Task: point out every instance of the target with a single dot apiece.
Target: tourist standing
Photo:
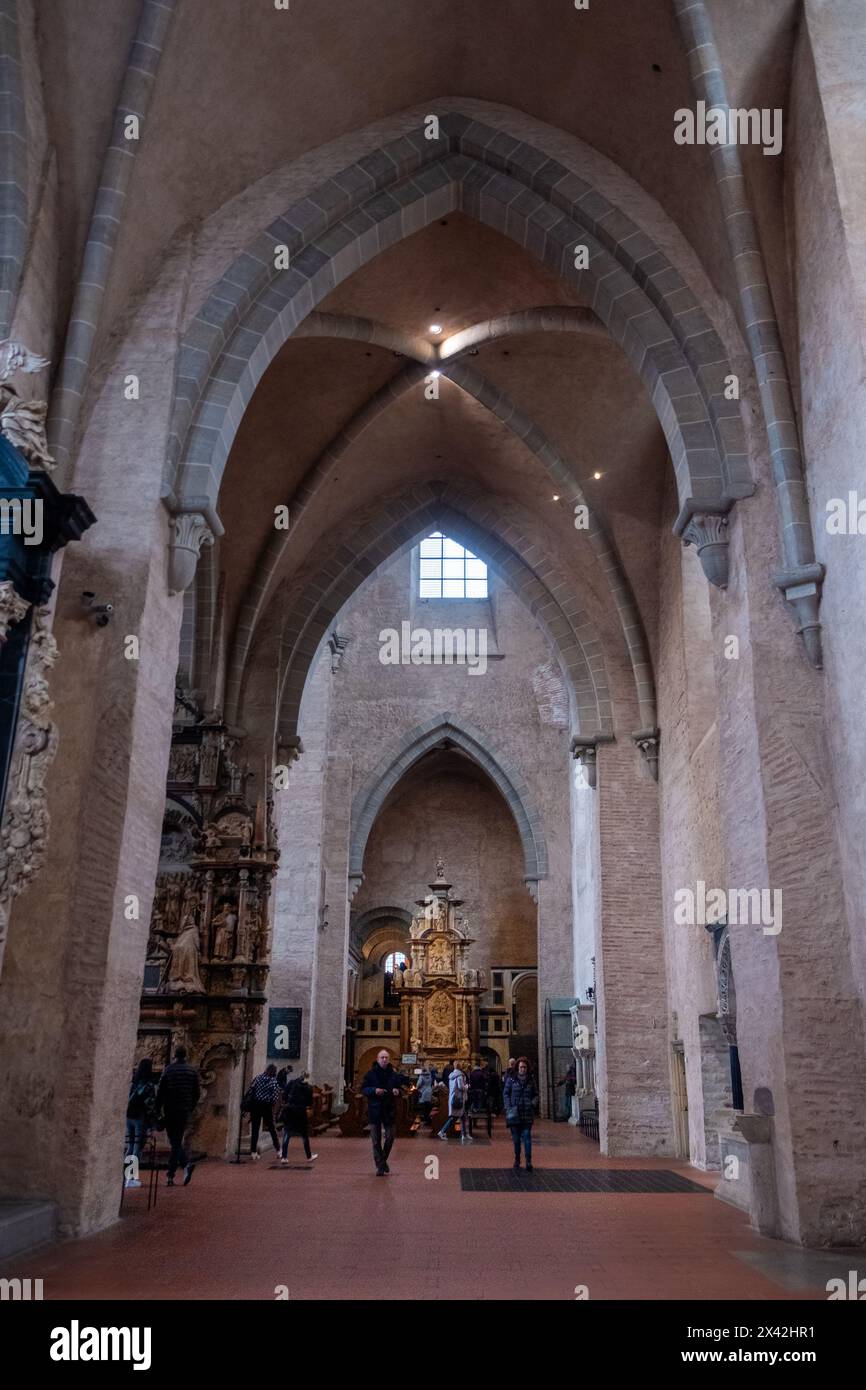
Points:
(260, 1099)
(479, 1087)
(569, 1081)
(520, 1098)
(382, 1085)
(425, 1083)
(297, 1097)
(176, 1097)
(458, 1108)
(140, 1114)
(494, 1090)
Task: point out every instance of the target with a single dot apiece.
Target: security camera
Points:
(100, 612)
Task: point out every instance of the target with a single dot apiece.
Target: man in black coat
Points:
(176, 1098)
(382, 1085)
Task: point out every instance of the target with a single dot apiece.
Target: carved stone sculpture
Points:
(23, 422)
(24, 831)
(183, 968)
(224, 924)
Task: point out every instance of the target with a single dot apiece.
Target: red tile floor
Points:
(335, 1231)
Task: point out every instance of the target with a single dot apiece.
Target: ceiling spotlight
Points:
(435, 373)
(596, 476)
(435, 328)
(556, 497)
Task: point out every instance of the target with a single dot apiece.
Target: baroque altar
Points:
(440, 992)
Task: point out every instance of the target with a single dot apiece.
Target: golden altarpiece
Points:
(439, 994)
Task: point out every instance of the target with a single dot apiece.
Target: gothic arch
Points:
(492, 399)
(573, 637)
(370, 798)
(507, 184)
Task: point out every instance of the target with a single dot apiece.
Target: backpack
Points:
(139, 1101)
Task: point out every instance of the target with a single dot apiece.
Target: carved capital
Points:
(647, 740)
(585, 749)
(189, 532)
(12, 607)
(708, 533)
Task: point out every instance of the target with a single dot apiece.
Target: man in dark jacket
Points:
(520, 1098)
(176, 1098)
(382, 1085)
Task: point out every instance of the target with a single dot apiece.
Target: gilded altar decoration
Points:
(440, 992)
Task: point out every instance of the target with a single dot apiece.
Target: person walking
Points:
(458, 1106)
(520, 1098)
(382, 1085)
(176, 1097)
(261, 1097)
(297, 1096)
(140, 1115)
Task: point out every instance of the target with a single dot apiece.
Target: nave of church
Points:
(431, 563)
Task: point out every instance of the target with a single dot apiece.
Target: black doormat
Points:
(577, 1180)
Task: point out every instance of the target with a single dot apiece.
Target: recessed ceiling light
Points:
(435, 328)
(436, 373)
(556, 497)
(596, 476)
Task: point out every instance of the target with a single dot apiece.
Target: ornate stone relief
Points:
(12, 608)
(24, 831)
(23, 422)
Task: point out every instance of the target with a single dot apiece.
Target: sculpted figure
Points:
(183, 966)
(224, 924)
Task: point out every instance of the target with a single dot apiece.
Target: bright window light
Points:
(449, 570)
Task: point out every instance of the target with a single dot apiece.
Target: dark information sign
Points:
(284, 1032)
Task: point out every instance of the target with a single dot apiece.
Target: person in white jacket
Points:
(458, 1106)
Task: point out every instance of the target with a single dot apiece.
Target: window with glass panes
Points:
(449, 570)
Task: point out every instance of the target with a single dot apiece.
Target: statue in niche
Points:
(172, 905)
(224, 924)
(440, 869)
(247, 934)
(183, 976)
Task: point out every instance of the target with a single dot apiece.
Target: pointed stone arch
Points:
(510, 185)
(400, 525)
(444, 728)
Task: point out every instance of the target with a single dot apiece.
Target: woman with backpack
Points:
(457, 1106)
(297, 1096)
(140, 1113)
(520, 1098)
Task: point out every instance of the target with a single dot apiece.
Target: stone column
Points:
(328, 992)
(799, 1016)
(633, 1067)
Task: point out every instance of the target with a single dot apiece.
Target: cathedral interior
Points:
(433, 557)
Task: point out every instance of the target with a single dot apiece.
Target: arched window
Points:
(449, 570)
(394, 961)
